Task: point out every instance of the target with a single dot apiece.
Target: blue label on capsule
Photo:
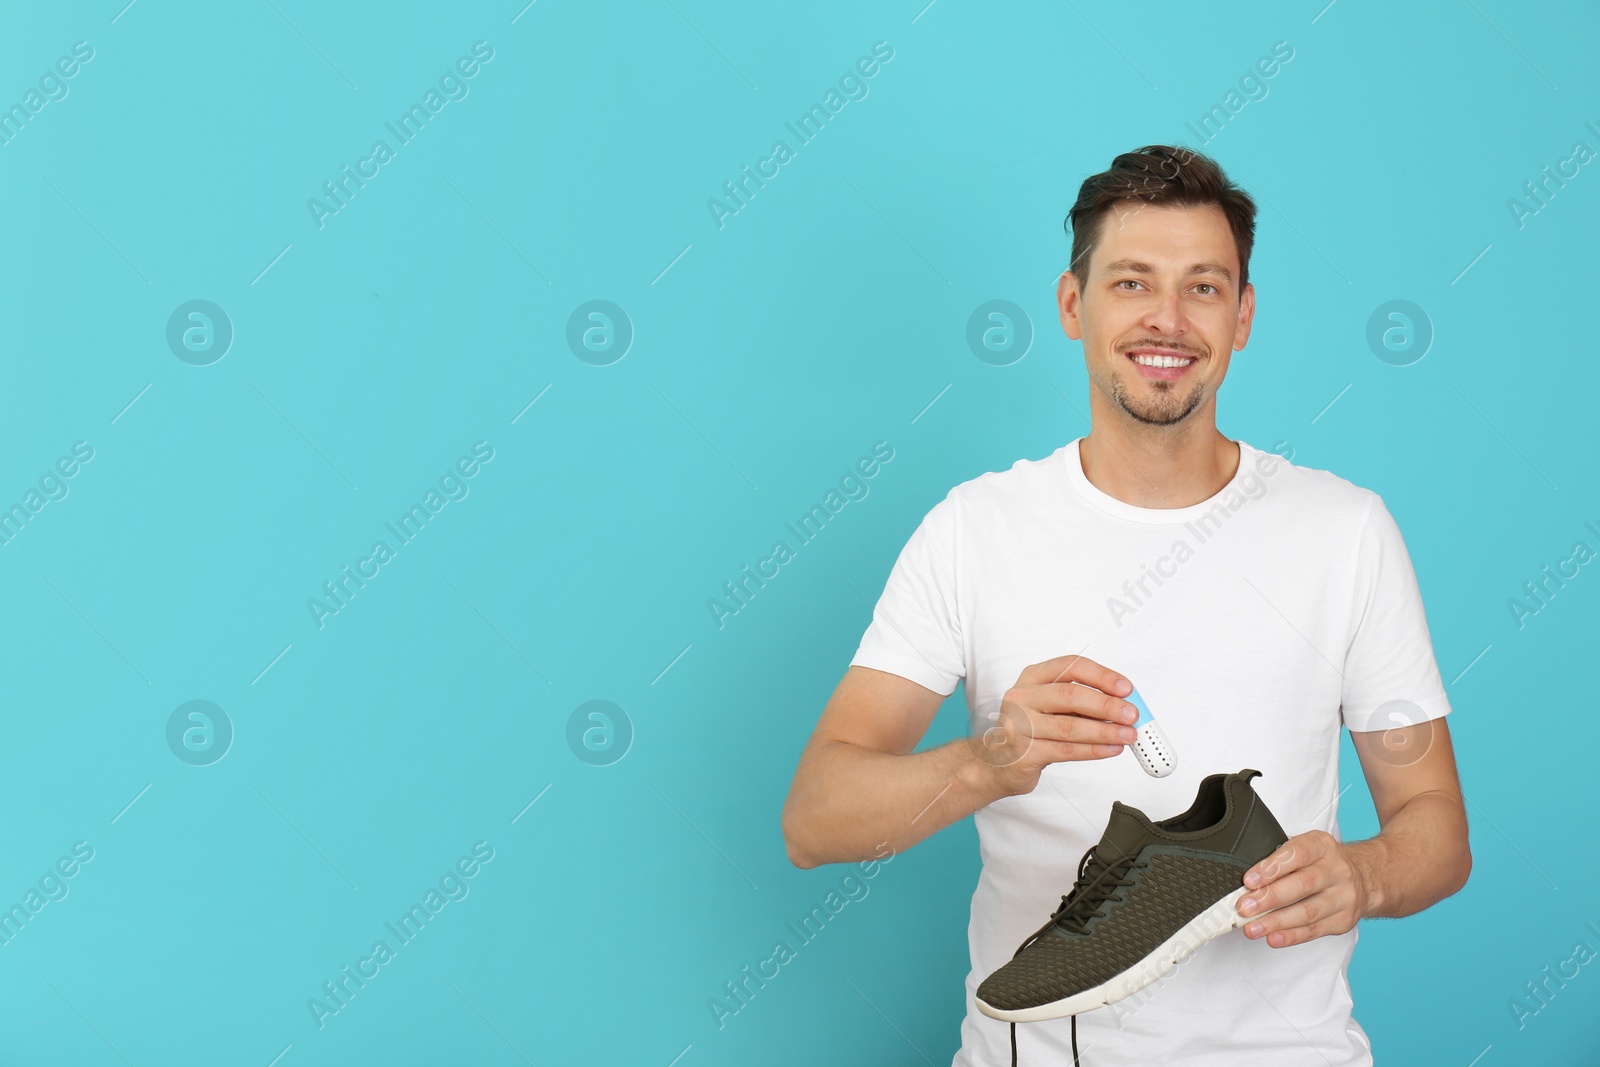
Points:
(1144, 712)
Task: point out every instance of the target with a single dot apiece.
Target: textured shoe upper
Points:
(1170, 890)
(1141, 884)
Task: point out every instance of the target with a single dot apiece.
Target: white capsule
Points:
(1151, 748)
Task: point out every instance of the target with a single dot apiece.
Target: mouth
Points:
(1161, 363)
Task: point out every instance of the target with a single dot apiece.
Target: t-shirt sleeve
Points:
(1390, 676)
(916, 626)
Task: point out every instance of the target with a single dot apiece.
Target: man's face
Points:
(1163, 280)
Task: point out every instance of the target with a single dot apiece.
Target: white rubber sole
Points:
(1201, 930)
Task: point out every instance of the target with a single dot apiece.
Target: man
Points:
(1257, 605)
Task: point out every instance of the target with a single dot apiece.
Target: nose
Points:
(1165, 316)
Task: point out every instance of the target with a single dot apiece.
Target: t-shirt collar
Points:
(1072, 463)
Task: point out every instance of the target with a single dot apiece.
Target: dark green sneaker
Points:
(1147, 896)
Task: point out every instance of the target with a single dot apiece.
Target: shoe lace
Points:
(1094, 888)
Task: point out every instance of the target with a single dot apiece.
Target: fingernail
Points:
(1248, 906)
(1127, 733)
(1252, 879)
(1254, 929)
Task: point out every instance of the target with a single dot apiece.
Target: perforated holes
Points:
(1150, 751)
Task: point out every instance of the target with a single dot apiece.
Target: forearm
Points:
(1418, 859)
(849, 801)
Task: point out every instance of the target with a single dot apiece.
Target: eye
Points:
(1207, 285)
(1127, 281)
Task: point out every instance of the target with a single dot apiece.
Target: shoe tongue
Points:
(1126, 833)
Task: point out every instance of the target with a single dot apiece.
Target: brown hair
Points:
(1159, 174)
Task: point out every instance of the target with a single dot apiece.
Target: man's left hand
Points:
(1311, 886)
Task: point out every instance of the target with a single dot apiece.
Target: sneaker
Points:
(1147, 896)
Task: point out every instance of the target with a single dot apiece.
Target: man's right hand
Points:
(1067, 708)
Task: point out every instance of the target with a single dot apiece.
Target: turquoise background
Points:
(828, 314)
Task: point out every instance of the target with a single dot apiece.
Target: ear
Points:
(1070, 304)
(1247, 316)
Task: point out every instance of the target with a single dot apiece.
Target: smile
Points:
(1149, 360)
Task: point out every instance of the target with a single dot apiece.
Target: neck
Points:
(1158, 467)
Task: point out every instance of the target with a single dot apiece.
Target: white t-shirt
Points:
(1253, 624)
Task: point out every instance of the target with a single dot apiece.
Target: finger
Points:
(1066, 751)
(1076, 669)
(1302, 912)
(1292, 887)
(1296, 935)
(1091, 731)
(1072, 698)
(1290, 856)
(1020, 734)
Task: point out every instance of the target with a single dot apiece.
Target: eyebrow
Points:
(1133, 266)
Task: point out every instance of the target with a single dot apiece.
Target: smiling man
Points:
(1259, 607)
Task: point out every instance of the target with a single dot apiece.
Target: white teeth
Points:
(1163, 361)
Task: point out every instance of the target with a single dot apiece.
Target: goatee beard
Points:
(1159, 413)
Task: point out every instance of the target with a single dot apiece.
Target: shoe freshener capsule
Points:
(1152, 748)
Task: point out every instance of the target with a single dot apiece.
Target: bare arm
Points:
(1319, 885)
(860, 785)
(1421, 854)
